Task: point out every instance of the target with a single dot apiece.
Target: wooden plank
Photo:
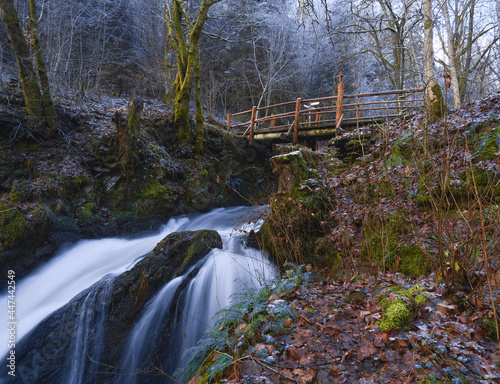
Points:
(327, 98)
(398, 92)
(252, 122)
(241, 113)
(277, 116)
(386, 102)
(240, 124)
(296, 121)
(340, 100)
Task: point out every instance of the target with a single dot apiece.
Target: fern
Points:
(219, 366)
(488, 144)
(252, 310)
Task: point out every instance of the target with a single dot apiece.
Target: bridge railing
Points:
(327, 112)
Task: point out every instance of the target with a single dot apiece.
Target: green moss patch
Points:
(400, 305)
(397, 316)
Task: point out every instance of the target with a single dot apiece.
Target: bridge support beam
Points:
(340, 100)
(296, 121)
(252, 123)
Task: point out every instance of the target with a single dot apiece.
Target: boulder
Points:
(89, 334)
(171, 257)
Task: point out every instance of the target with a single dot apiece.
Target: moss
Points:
(192, 250)
(489, 325)
(488, 183)
(437, 107)
(85, 214)
(382, 239)
(397, 316)
(25, 191)
(153, 189)
(413, 261)
(80, 181)
(293, 227)
(291, 170)
(415, 294)
(15, 226)
(12, 224)
(385, 189)
(488, 144)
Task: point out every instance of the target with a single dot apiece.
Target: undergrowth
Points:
(258, 313)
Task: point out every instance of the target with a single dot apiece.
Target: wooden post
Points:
(228, 121)
(252, 122)
(296, 121)
(272, 124)
(340, 100)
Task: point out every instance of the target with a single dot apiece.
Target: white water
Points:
(77, 268)
(221, 275)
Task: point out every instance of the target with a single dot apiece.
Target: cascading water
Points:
(90, 327)
(186, 304)
(222, 273)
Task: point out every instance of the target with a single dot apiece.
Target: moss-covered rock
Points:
(397, 316)
(400, 304)
(290, 170)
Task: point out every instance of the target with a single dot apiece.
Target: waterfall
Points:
(220, 275)
(186, 304)
(85, 350)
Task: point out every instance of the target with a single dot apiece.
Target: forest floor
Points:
(336, 339)
(410, 216)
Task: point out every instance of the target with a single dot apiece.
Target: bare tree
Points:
(467, 42)
(450, 52)
(434, 93)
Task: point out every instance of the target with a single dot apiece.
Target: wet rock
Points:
(108, 310)
(170, 258)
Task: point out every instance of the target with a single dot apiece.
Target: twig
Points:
(271, 369)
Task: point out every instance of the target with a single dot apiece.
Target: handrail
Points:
(305, 115)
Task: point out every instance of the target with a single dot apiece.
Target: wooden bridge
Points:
(310, 120)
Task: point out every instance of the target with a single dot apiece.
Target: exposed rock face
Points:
(98, 321)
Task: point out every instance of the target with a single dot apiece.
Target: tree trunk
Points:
(41, 68)
(187, 53)
(451, 57)
(43, 124)
(43, 120)
(498, 15)
(464, 81)
(199, 109)
(434, 93)
(127, 129)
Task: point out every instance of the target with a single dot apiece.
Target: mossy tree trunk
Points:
(185, 45)
(199, 111)
(48, 105)
(38, 101)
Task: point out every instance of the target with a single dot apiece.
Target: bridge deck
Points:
(320, 118)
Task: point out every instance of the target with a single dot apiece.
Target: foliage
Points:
(253, 316)
(488, 144)
(488, 324)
